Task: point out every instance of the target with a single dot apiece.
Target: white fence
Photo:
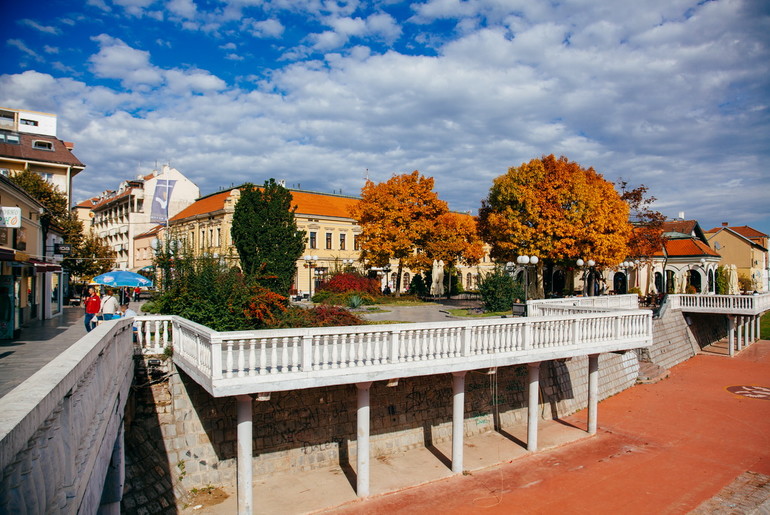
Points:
(538, 307)
(724, 304)
(231, 363)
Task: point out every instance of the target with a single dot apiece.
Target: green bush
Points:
(499, 290)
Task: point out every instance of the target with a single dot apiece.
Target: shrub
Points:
(499, 290)
(348, 281)
(418, 287)
(319, 316)
(635, 290)
(745, 283)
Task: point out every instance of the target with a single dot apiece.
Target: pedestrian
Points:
(110, 306)
(136, 293)
(93, 305)
(127, 312)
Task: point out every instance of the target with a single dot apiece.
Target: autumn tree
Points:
(90, 255)
(397, 219)
(455, 240)
(556, 210)
(265, 234)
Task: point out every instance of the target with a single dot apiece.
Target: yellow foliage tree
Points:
(397, 219)
(557, 210)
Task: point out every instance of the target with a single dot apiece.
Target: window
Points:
(342, 242)
(32, 123)
(356, 243)
(6, 137)
(218, 243)
(312, 243)
(42, 145)
(328, 240)
(203, 238)
(47, 177)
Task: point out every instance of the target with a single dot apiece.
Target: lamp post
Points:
(587, 275)
(525, 262)
(348, 263)
(310, 264)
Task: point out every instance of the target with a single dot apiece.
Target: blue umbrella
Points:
(122, 278)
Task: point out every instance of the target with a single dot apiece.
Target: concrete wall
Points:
(194, 434)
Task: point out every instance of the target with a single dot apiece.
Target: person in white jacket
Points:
(110, 305)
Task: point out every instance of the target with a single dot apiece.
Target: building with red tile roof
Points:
(28, 141)
(747, 249)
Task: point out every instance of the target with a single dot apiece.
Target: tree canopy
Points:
(455, 240)
(647, 236)
(555, 209)
(265, 233)
(90, 255)
(397, 219)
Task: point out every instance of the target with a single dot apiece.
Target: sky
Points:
(322, 94)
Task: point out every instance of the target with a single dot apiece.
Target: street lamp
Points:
(348, 263)
(526, 262)
(310, 264)
(586, 275)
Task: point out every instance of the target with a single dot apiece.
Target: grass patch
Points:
(764, 327)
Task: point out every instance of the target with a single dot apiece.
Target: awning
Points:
(42, 266)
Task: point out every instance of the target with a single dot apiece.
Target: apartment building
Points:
(136, 207)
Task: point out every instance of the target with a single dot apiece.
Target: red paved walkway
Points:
(662, 448)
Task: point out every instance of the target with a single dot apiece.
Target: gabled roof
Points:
(751, 236)
(686, 247)
(155, 230)
(26, 152)
(308, 203)
(111, 198)
(743, 230)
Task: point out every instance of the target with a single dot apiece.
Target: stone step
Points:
(651, 373)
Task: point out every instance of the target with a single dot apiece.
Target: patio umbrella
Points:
(440, 278)
(734, 288)
(122, 278)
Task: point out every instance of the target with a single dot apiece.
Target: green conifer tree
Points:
(265, 234)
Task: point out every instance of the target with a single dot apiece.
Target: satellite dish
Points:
(154, 243)
(717, 245)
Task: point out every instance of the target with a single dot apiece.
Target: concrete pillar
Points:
(759, 326)
(750, 329)
(458, 417)
(533, 405)
(593, 392)
(731, 334)
(245, 425)
(739, 323)
(362, 471)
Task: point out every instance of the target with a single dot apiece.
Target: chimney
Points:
(725, 224)
(681, 215)
(69, 145)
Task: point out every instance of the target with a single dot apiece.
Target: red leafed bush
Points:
(345, 282)
(319, 316)
(264, 308)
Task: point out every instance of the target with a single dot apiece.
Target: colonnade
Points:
(743, 330)
(245, 427)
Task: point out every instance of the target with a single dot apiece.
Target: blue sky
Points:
(672, 94)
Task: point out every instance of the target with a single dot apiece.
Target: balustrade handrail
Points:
(242, 357)
(726, 304)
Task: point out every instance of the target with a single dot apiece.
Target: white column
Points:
(750, 329)
(244, 454)
(739, 323)
(362, 471)
(759, 326)
(533, 405)
(458, 417)
(593, 392)
(731, 334)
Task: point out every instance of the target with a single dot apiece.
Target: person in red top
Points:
(93, 305)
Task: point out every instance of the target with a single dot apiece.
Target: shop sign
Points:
(10, 217)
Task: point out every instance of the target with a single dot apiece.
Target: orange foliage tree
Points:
(397, 219)
(455, 241)
(556, 210)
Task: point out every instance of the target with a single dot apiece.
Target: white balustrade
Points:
(251, 358)
(721, 304)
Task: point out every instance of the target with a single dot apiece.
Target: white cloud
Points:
(666, 93)
(184, 8)
(270, 28)
(22, 47)
(48, 29)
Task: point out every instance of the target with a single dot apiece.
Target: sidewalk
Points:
(666, 447)
(40, 342)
